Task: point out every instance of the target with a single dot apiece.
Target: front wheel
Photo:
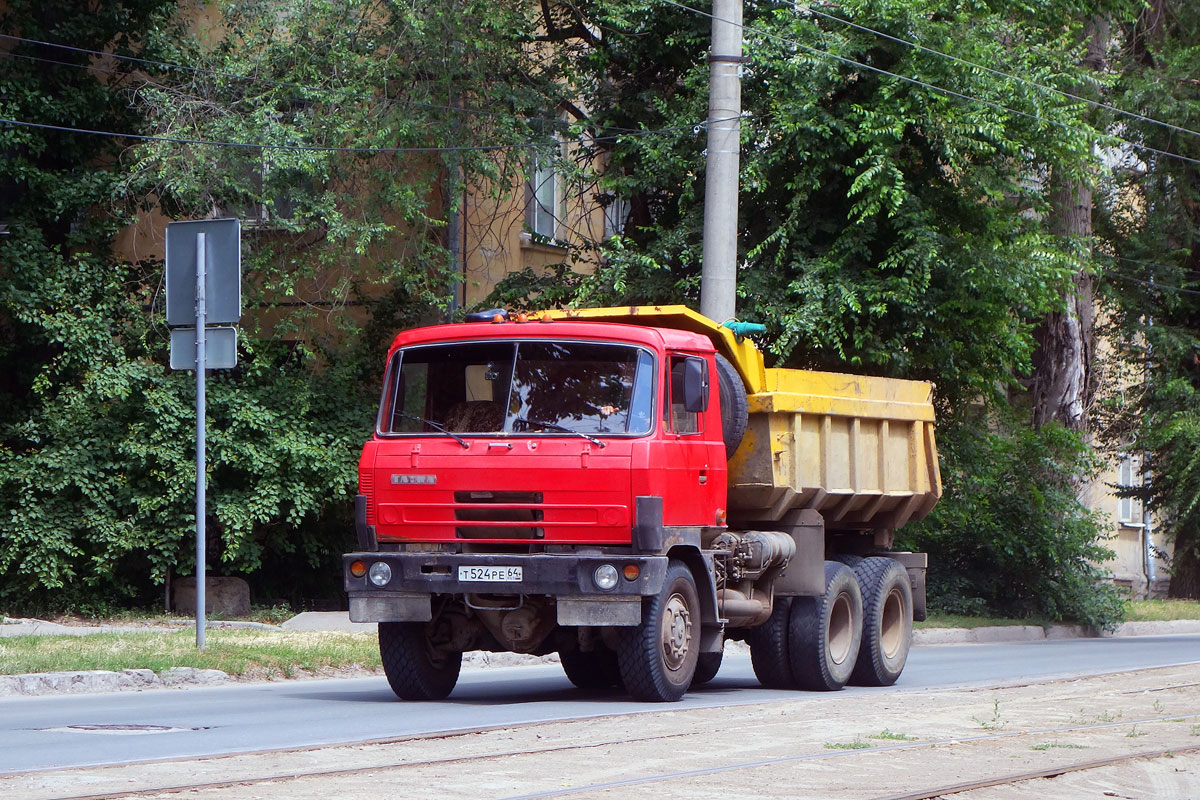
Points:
(707, 667)
(416, 669)
(592, 671)
(658, 657)
(825, 632)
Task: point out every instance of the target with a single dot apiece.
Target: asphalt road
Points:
(50, 732)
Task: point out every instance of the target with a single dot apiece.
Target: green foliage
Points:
(344, 245)
(885, 227)
(1009, 536)
(1152, 288)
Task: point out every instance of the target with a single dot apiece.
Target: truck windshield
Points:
(534, 388)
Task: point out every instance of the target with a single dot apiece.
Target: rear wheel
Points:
(769, 648)
(594, 671)
(416, 668)
(825, 632)
(887, 622)
(658, 657)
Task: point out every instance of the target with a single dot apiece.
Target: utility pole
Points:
(718, 276)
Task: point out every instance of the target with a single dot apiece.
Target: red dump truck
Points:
(629, 488)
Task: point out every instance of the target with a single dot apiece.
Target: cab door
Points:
(695, 482)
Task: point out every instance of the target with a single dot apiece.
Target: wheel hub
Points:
(676, 632)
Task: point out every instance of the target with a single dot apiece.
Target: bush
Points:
(1010, 537)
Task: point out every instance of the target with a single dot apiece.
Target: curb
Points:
(37, 627)
(1036, 633)
(99, 680)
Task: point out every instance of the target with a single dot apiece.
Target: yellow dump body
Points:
(858, 449)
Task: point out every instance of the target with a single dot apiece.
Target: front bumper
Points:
(416, 577)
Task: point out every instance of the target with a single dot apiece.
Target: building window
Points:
(545, 199)
(1129, 509)
(616, 215)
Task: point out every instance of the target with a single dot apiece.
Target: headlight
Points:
(605, 576)
(380, 573)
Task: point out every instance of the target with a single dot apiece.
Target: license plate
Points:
(490, 574)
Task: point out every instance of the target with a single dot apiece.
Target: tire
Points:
(769, 648)
(414, 669)
(734, 408)
(658, 657)
(825, 633)
(707, 667)
(594, 671)
(887, 622)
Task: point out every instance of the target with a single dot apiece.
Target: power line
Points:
(256, 79)
(616, 129)
(1019, 79)
(1154, 285)
(259, 146)
(933, 87)
(1153, 265)
(330, 148)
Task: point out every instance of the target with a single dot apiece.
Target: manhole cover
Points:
(120, 730)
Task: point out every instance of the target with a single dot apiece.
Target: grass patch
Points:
(857, 744)
(996, 722)
(1161, 610)
(892, 736)
(236, 652)
(1056, 746)
(1135, 611)
(939, 620)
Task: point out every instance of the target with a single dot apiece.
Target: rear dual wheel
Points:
(887, 621)
(825, 633)
(769, 653)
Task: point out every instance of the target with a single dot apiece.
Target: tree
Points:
(1062, 383)
(1151, 224)
(320, 121)
(889, 227)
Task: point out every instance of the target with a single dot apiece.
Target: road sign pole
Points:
(201, 314)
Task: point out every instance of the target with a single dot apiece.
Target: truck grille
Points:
(500, 515)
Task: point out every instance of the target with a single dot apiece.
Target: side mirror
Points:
(695, 385)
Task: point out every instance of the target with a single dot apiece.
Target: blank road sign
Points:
(220, 348)
(223, 271)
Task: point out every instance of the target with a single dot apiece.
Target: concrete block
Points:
(1158, 628)
(176, 676)
(1070, 632)
(221, 596)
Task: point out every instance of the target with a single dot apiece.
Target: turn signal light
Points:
(722, 517)
(631, 572)
(358, 569)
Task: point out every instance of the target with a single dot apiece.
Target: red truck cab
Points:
(526, 479)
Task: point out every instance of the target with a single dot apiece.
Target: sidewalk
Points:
(340, 621)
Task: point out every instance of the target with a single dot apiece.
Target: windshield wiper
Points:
(556, 427)
(435, 426)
